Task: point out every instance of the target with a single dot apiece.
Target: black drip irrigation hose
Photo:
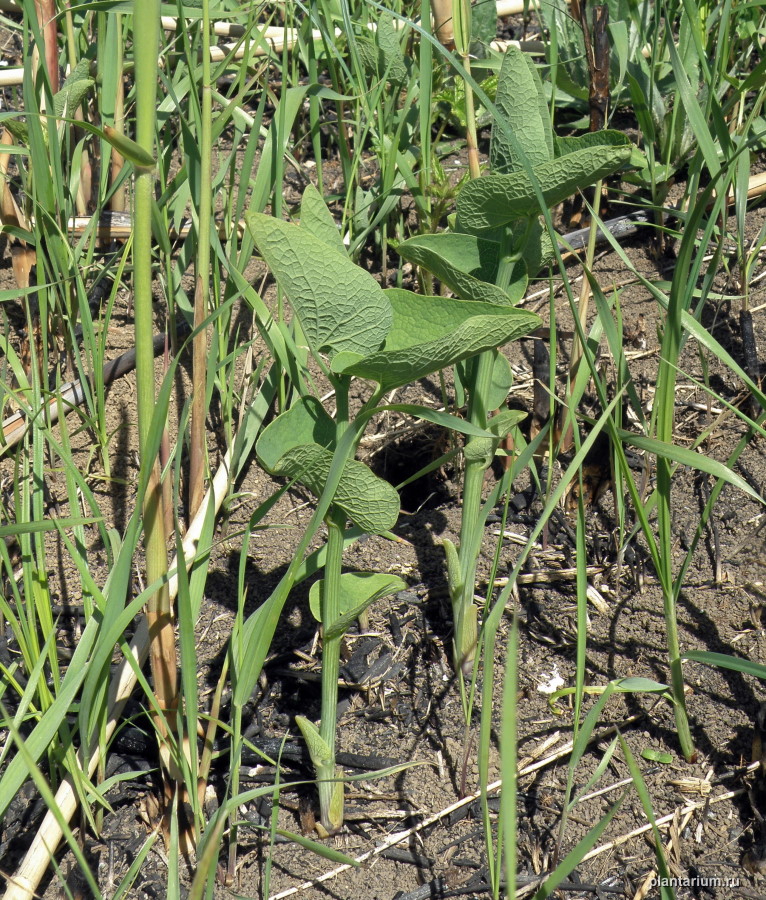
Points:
(619, 228)
(73, 393)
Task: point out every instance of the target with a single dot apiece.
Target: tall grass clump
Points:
(68, 713)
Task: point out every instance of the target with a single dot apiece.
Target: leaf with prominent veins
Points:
(340, 307)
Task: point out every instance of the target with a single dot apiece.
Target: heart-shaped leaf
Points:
(306, 422)
(357, 591)
(496, 200)
(339, 306)
(367, 500)
(466, 264)
(74, 89)
(431, 333)
(521, 102)
(607, 138)
(537, 251)
(392, 63)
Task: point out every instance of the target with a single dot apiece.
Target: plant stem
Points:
(117, 201)
(472, 523)
(464, 610)
(508, 821)
(471, 139)
(330, 789)
(158, 612)
(665, 400)
(331, 817)
(46, 17)
(202, 289)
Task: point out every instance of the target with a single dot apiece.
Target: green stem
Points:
(669, 594)
(330, 788)
(236, 758)
(331, 811)
(147, 12)
(315, 109)
(472, 521)
(202, 291)
(666, 382)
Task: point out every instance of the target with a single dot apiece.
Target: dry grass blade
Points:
(664, 822)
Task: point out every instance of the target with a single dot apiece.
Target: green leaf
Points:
(317, 220)
(431, 333)
(339, 306)
(638, 683)
(575, 856)
(657, 756)
(483, 449)
(700, 126)
(320, 753)
(666, 892)
(306, 422)
(466, 264)
(521, 101)
(322, 758)
(319, 849)
(607, 138)
(392, 62)
(74, 89)
(44, 525)
(454, 571)
(368, 54)
(357, 591)
(19, 130)
(502, 381)
(382, 54)
(445, 420)
(538, 253)
(370, 502)
(483, 32)
(735, 663)
(126, 147)
(496, 200)
(288, 106)
(690, 458)
(461, 26)
(537, 250)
